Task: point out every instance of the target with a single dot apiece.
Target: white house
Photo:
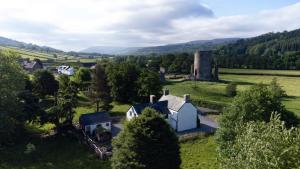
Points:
(90, 122)
(179, 112)
(67, 70)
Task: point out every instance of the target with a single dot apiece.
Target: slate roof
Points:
(174, 102)
(94, 118)
(29, 65)
(161, 106)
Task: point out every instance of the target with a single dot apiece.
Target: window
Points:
(107, 124)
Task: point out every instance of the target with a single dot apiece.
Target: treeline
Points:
(179, 63)
(269, 51)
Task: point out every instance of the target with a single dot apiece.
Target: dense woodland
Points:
(269, 51)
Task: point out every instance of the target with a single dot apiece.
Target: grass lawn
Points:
(199, 153)
(55, 152)
(259, 71)
(215, 92)
(290, 84)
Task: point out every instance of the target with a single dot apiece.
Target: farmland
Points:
(214, 93)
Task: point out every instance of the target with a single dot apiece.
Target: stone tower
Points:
(203, 65)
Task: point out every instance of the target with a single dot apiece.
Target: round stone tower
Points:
(203, 65)
(197, 65)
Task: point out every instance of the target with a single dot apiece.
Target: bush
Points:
(264, 145)
(231, 89)
(147, 142)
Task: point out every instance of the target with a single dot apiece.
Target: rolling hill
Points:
(28, 46)
(171, 48)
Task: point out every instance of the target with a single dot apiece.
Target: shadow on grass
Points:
(236, 82)
(52, 152)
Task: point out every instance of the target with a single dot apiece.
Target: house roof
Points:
(29, 65)
(161, 106)
(94, 118)
(174, 102)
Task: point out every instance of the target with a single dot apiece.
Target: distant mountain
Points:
(171, 48)
(13, 43)
(186, 47)
(110, 50)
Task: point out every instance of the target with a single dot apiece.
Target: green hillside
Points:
(269, 51)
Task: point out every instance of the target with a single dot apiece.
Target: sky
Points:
(78, 24)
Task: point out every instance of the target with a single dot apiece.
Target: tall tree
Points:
(62, 112)
(44, 83)
(12, 82)
(83, 77)
(147, 142)
(100, 90)
(149, 84)
(123, 81)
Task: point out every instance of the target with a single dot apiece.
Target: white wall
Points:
(94, 126)
(131, 114)
(187, 117)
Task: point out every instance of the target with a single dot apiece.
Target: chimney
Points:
(166, 92)
(152, 99)
(186, 98)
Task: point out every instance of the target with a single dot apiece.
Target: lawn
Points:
(214, 92)
(54, 152)
(290, 84)
(261, 72)
(199, 153)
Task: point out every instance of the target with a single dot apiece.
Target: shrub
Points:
(231, 89)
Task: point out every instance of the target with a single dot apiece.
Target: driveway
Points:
(116, 128)
(207, 124)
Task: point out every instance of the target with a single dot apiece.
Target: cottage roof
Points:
(94, 118)
(174, 102)
(161, 106)
(29, 65)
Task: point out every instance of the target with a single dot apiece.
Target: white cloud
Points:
(77, 24)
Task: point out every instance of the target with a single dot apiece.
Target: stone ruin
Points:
(203, 66)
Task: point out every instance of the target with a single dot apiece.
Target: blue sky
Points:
(78, 24)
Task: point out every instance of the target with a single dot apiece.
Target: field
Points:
(260, 72)
(214, 93)
(48, 58)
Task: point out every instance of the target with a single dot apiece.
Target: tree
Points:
(264, 145)
(44, 83)
(12, 82)
(149, 83)
(231, 89)
(276, 89)
(31, 109)
(83, 77)
(255, 104)
(147, 142)
(65, 101)
(100, 90)
(123, 81)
